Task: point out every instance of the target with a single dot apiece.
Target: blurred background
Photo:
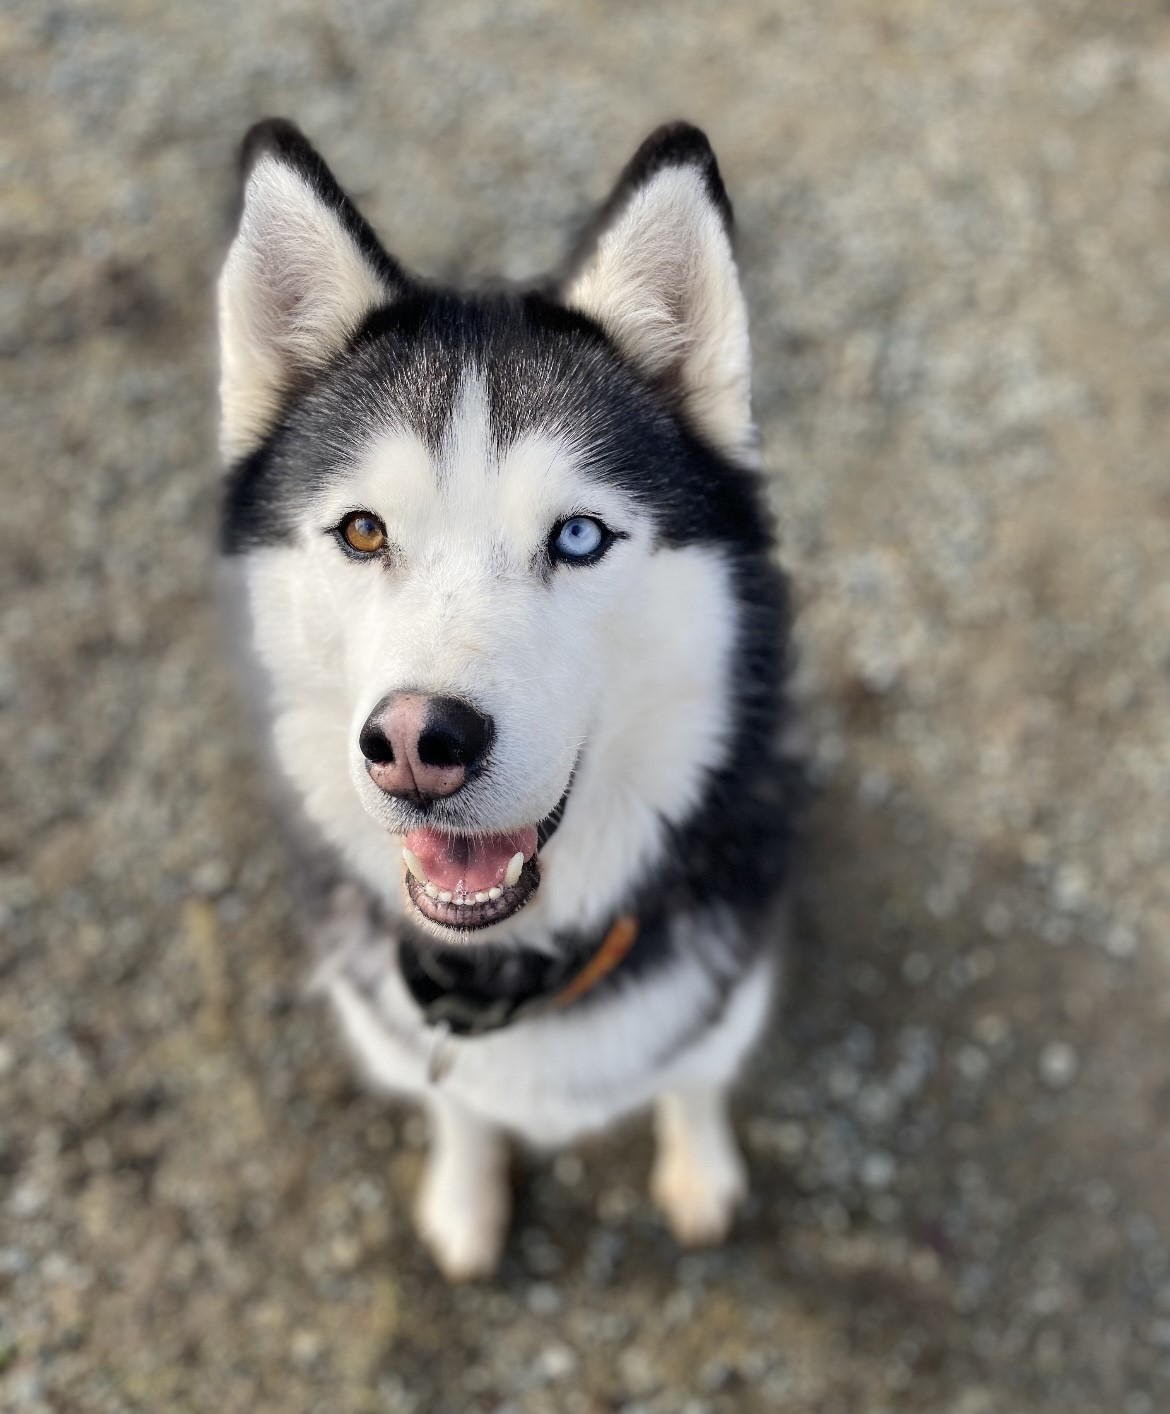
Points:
(954, 228)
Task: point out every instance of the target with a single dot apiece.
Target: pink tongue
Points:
(469, 864)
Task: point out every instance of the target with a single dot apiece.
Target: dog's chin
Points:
(457, 916)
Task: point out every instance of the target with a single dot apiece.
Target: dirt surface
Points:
(955, 227)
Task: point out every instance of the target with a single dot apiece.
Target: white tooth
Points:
(431, 891)
(494, 894)
(445, 896)
(481, 897)
(515, 864)
(414, 864)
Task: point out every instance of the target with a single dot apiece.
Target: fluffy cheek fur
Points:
(661, 725)
(630, 679)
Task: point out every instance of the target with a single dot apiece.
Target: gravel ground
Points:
(955, 229)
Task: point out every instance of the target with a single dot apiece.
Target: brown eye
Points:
(364, 533)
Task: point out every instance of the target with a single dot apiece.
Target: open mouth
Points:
(472, 881)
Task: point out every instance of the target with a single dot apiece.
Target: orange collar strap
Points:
(613, 950)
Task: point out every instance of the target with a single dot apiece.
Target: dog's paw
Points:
(698, 1200)
(463, 1219)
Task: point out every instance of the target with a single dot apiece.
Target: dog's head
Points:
(489, 539)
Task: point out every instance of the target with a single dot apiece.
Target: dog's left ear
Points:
(302, 273)
(660, 277)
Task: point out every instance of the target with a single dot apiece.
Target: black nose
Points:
(454, 734)
(421, 747)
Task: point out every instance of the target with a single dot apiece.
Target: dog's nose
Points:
(420, 747)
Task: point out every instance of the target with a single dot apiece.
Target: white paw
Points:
(697, 1200)
(463, 1219)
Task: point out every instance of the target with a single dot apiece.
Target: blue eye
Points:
(580, 538)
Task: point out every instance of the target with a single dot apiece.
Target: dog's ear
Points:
(659, 275)
(302, 273)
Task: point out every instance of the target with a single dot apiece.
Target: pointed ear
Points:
(302, 273)
(660, 277)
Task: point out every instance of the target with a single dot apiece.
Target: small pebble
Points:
(992, 1030)
(1121, 940)
(305, 1347)
(1058, 1065)
(972, 1063)
(555, 1362)
(544, 1299)
(878, 1170)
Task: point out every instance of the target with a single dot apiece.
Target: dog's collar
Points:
(472, 991)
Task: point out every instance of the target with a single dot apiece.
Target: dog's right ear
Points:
(302, 273)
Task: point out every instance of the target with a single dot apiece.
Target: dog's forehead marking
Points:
(466, 453)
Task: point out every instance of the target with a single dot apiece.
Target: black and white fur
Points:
(652, 680)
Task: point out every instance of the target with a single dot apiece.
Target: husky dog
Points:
(509, 576)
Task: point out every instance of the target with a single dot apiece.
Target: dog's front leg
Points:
(464, 1201)
(699, 1176)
